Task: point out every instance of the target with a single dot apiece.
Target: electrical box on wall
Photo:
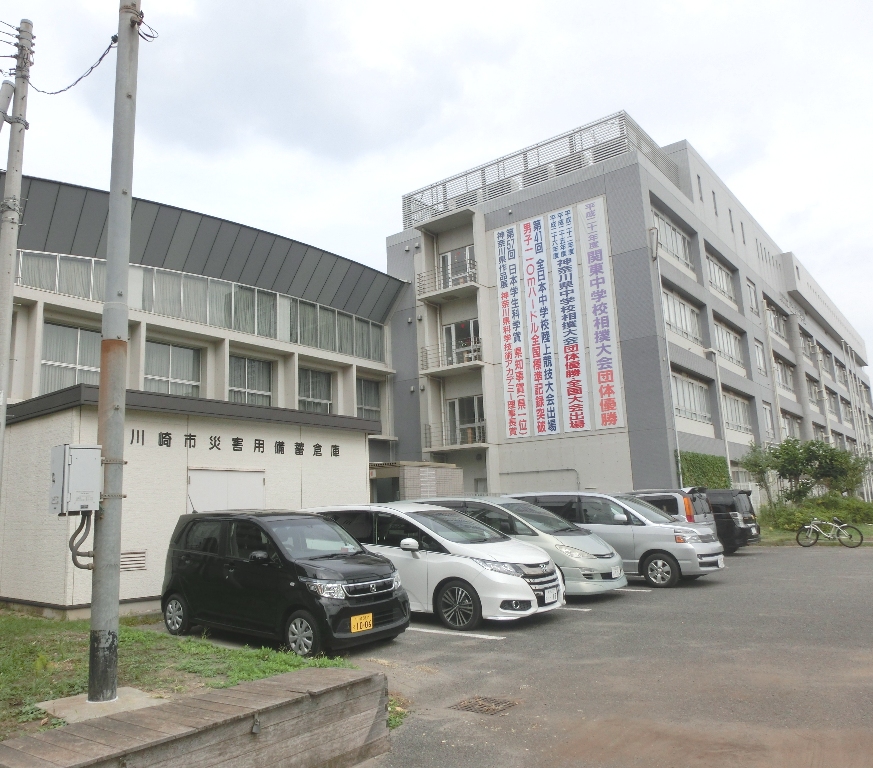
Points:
(77, 479)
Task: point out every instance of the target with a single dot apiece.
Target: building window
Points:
(752, 297)
(819, 433)
(466, 421)
(731, 217)
(827, 362)
(784, 374)
(760, 358)
(769, 426)
(461, 342)
(681, 317)
(369, 400)
(691, 398)
(720, 279)
(852, 445)
(812, 391)
(790, 425)
(833, 404)
(777, 322)
(846, 409)
(457, 267)
(839, 440)
(743, 232)
(700, 188)
(728, 344)
(314, 391)
(69, 356)
(673, 240)
(737, 412)
(250, 381)
(171, 369)
(714, 203)
(867, 396)
(842, 378)
(808, 344)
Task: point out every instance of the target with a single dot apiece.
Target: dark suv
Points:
(287, 575)
(735, 517)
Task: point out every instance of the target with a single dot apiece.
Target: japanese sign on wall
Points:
(511, 309)
(538, 311)
(570, 345)
(189, 440)
(600, 305)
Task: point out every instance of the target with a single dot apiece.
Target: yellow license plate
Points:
(362, 622)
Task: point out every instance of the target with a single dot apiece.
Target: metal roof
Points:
(66, 218)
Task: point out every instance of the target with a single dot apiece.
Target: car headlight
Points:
(684, 536)
(327, 589)
(510, 569)
(396, 584)
(572, 551)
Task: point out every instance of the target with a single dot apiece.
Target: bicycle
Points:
(847, 535)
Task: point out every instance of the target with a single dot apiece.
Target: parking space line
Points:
(568, 608)
(454, 634)
(631, 589)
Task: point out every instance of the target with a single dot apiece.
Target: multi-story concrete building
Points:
(582, 309)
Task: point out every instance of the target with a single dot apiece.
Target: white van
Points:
(453, 565)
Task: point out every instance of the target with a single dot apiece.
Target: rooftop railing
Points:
(438, 436)
(581, 147)
(219, 303)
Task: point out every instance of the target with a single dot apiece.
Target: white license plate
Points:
(551, 595)
(721, 561)
(616, 571)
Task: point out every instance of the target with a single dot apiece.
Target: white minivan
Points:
(453, 565)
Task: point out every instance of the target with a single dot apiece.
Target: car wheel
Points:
(661, 570)
(458, 606)
(176, 615)
(302, 635)
(730, 550)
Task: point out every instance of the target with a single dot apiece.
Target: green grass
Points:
(775, 537)
(398, 708)
(43, 659)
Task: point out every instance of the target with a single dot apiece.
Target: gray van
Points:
(651, 543)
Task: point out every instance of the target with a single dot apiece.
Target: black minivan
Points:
(288, 575)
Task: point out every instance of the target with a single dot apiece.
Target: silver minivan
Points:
(649, 541)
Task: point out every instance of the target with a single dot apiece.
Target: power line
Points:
(82, 77)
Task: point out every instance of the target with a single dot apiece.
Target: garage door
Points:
(210, 490)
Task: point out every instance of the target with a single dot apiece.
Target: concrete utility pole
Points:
(10, 209)
(103, 659)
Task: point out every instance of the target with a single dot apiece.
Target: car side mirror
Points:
(259, 556)
(409, 545)
(619, 517)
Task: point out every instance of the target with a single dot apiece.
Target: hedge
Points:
(704, 469)
(789, 517)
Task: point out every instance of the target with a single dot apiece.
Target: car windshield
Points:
(312, 538)
(542, 519)
(646, 510)
(744, 505)
(457, 527)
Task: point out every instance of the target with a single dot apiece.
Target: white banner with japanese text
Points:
(570, 343)
(510, 307)
(538, 311)
(600, 306)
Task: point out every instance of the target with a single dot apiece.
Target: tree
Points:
(792, 463)
(837, 470)
(758, 462)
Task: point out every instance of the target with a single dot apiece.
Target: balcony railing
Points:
(210, 301)
(438, 436)
(592, 143)
(443, 280)
(439, 357)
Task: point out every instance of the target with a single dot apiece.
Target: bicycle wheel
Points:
(807, 536)
(850, 536)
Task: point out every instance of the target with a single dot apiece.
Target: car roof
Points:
(461, 497)
(388, 506)
(251, 513)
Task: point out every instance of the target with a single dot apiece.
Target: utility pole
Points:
(103, 658)
(10, 209)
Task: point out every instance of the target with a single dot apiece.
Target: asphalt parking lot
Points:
(768, 663)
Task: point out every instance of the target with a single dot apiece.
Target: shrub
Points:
(789, 517)
(704, 469)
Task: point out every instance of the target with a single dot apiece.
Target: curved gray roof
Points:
(67, 218)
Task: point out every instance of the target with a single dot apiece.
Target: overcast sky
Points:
(311, 119)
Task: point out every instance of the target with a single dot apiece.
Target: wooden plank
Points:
(197, 719)
(15, 758)
(323, 702)
(140, 732)
(216, 706)
(245, 698)
(150, 717)
(41, 749)
(120, 742)
(316, 681)
(75, 744)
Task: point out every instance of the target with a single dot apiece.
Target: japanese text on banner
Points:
(538, 309)
(511, 331)
(600, 303)
(571, 346)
